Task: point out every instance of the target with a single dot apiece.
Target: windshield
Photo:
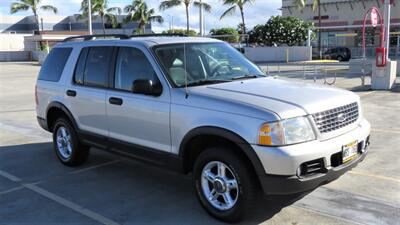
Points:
(205, 63)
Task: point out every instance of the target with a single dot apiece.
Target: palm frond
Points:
(16, 7)
(229, 11)
(49, 8)
(205, 6)
(169, 4)
(158, 19)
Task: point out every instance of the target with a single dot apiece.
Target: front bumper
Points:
(282, 164)
(278, 185)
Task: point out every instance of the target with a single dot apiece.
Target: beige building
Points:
(342, 22)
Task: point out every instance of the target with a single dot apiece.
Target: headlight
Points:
(286, 132)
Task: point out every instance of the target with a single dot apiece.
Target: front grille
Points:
(336, 118)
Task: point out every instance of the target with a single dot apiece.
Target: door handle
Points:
(115, 101)
(71, 93)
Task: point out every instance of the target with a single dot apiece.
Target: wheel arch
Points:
(55, 109)
(221, 136)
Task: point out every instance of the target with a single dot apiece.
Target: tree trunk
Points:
(244, 25)
(319, 30)
(102, 22)
(38, 27)
(187, 20)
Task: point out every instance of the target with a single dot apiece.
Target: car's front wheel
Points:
(66, 144)
(224, 184)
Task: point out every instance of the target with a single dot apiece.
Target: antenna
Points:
(184, 63)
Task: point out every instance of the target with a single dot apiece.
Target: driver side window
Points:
(131, 65)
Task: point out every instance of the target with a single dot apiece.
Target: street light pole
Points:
(387, 26)
(90, 17)
(201, 19)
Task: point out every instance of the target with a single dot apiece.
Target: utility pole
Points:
(90, 17)
(319, 30)
(201, 19)
(387, 26)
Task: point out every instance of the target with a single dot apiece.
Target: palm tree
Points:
(167, 4)
(315, 4)
(100, 7)
(138, 11)
(34, 5)
(236, 4)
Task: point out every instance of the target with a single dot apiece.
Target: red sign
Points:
(374, 17)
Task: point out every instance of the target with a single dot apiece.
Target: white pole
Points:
(172, 26)
(201, 18)
(387, 26)
(309, 38)
(90, 17)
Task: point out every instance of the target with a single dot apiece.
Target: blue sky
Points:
(255, 13)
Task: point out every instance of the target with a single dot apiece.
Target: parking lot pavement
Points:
(36, 189)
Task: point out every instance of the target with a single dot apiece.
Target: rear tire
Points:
(66, 144)
(230, 196)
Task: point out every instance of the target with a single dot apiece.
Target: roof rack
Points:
(159, 35)
(91, 37)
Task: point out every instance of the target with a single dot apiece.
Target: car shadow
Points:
(123, 190)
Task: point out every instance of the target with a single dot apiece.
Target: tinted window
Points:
(132, 65)
(54, 64)
(97, 66)
(80, 66)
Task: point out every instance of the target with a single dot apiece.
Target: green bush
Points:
(281, 30)
(181, 31)
(234, 34)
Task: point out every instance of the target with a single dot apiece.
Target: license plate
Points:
(349, 151)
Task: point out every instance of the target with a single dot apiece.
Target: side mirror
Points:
(146, 87)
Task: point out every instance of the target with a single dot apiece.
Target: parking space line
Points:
(77, 208)
(375, 176)
(325, 214)
(11, 190)
(386, 131)
(9, 176)
(367, 93)
(95, 166)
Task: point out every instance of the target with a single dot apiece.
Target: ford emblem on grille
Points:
(341, 117)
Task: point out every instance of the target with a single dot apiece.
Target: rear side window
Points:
(54, 64)
(93, 66)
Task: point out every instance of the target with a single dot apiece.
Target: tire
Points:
(339, 58)
(245, 194)
(66, 144)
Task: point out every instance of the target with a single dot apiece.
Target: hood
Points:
(285, 98)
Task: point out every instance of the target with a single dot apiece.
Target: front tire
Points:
(66, 144)
(224, 184)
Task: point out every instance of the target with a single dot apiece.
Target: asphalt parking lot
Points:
(36, 189)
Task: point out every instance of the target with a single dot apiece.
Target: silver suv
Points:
(197, 105)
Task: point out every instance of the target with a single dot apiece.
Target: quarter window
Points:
(54, 64)
(132, 65)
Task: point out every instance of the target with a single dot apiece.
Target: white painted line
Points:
(77, 208)
(26, 131)
(386, 131)
(95, 216)
(374, 176)
(327, 215)
(11, 190)
(95, 166)
(9, 176)
(367, 93)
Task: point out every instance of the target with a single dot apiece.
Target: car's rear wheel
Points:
(66, 144)
(339, 58)
(224, 184)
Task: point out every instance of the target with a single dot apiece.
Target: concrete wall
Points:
(13, 42)
(13, 56)
(278, 54)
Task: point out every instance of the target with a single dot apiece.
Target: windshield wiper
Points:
(204, 82)
(247, 76)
